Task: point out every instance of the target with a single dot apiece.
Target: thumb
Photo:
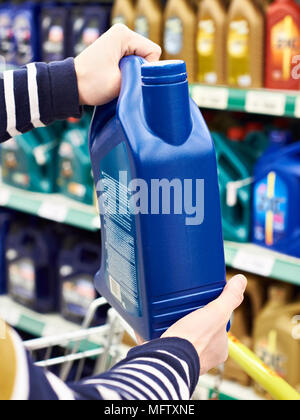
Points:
(232, 296)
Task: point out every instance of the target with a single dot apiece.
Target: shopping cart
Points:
(108, 350)
(68, 354)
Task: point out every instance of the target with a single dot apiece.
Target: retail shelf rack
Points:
(261, 261)
(256, 101)
(245, 257)
(39, 325)
(53, 207)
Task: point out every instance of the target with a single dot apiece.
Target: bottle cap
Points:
(164, 72)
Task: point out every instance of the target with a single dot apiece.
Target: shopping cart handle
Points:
(277, 387)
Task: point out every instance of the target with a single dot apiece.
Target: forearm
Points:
(166, 369)
(37, 95)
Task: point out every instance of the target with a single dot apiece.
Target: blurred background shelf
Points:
(257, 101)
(53, 207)
(257, 260)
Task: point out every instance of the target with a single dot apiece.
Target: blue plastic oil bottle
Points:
(79, 260)
(31, 260)
(155, 170)
(234, 165)
(5, 220)
(7, 39)
(88, 25)
(26, 28)
(74, 166)
(29, 161)
(276, 220)
(55, 31)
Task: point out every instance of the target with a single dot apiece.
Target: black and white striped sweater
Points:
(166, 369)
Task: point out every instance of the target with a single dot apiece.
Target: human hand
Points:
(97, 67)
(206, 328)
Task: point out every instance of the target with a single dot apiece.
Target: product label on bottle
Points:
(142, 26)
(122, 274)
(269, 351)
(21, 279)
(53, 46)
(119, 19)
(285, 44)
(238, 50)
(24, 50)
(78, 294)
(173, 38)
(89, 35)
(206, 40)
(270, 209)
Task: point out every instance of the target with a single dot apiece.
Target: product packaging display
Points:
(276, 224)
(79, 260)
(74, 166)
(31, 260)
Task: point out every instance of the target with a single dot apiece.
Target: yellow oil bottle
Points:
(277, 335)
(245, 44)
(180, 21)
(123, 12)
(149, 20)
(211, 42)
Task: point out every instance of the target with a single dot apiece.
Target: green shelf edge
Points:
(284, 270)
(237, 98)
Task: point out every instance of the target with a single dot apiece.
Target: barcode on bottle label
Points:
(115, 289)
(258, 264)
(266, 103)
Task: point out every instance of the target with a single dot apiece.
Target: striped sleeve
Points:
(37, 95)
(164, 369)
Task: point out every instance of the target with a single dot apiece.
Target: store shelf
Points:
(53, 207)
(261, 261)
(33, 323)
(228, 390)
(256, 101)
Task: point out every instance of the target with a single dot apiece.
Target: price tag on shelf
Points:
(254, 263)
(210, 97)
(297, 107)
(4, 197)
(265, 103)
(52, 211)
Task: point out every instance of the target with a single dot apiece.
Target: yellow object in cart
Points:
(277, 387)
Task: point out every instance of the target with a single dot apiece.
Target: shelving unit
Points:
(53, 207)
(257, 101)
(245, 257)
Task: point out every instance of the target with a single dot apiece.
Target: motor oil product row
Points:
(243, 43)
(276, 224)
(49, 268)
(51, 159)
(156, 145)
